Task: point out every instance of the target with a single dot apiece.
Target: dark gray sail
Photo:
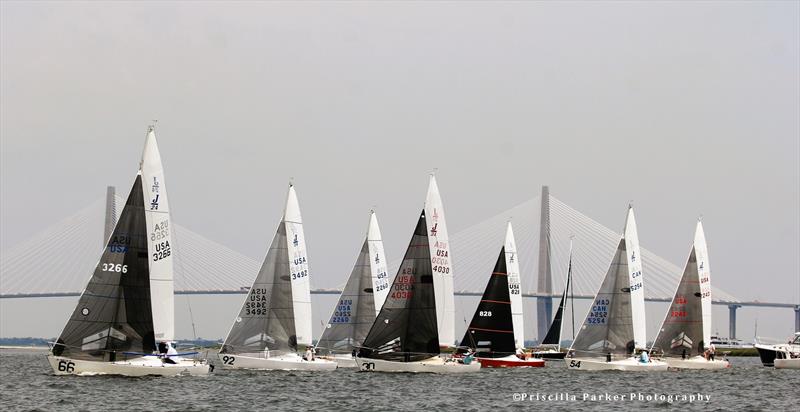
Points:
(114, 312)
(681, 334)
(406, 329)
(266, 319)
(608, 327)
(355, 311)
(553, 336)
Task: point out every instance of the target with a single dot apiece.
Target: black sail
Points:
(491, 331)
(553, 336)
(114, 312)
(406, 329)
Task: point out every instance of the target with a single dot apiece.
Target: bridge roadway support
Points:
(544, 286)
(732, 320)
(797, 318)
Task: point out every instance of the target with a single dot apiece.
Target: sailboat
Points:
(274, 322)
(124, 322)
(407, 332)
(614, 330)
(495, 333)
(685, 334)
(359, 303)
(551, 344)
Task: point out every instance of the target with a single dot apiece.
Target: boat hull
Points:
(144, 366)
(511, 362)
(629, 364)
(342, 361)
(287, 362)
(431, 365)
(787, 363)
(767, 353)
(550, 355)
(697, 362)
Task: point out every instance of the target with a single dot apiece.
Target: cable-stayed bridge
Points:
(543, 227)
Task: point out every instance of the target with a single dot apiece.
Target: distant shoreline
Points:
(24, 347)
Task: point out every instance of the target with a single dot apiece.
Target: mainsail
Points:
(553, 336)
(406, 328)
(159, 230)
(441, 261)
(611, 325)
(491, 331)
(361, 298)
(276, 313)
(514, 287)
(686, 329)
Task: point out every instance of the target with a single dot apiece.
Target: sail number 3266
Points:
(112, 267)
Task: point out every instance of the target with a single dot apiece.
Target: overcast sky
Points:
(685, 108)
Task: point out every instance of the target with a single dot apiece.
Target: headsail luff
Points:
(553, 336)
(406, 328)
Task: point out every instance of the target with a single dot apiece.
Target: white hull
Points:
(343, 361)
(431, 365)
(286, 362)
(630, 364)
(144, 366)
(787, 363)
(697, 362)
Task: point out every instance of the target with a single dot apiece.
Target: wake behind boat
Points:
(359, 303)
(495, 333)
(128, 304)
(614, 330)
(274, 322)
(685, 336)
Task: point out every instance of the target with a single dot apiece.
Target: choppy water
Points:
(27, 383)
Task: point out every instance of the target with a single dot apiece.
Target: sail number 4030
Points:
(66, 366)
(228, 360)
(111, 267)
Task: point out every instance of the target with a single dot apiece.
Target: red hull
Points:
(511, 363)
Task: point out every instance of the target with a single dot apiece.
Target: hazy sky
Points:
(685, 108)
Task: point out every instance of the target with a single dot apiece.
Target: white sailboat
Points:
(614, 330)
(124, 322)
(441, 259)
(274, 322)
(359, 303)
(405, 336)
(685, 334)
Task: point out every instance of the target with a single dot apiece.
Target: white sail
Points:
(636, 281)
(298, 267)
(514, 287)
(159, 241)
(704, 273)
(441, 262)
(378, 270)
